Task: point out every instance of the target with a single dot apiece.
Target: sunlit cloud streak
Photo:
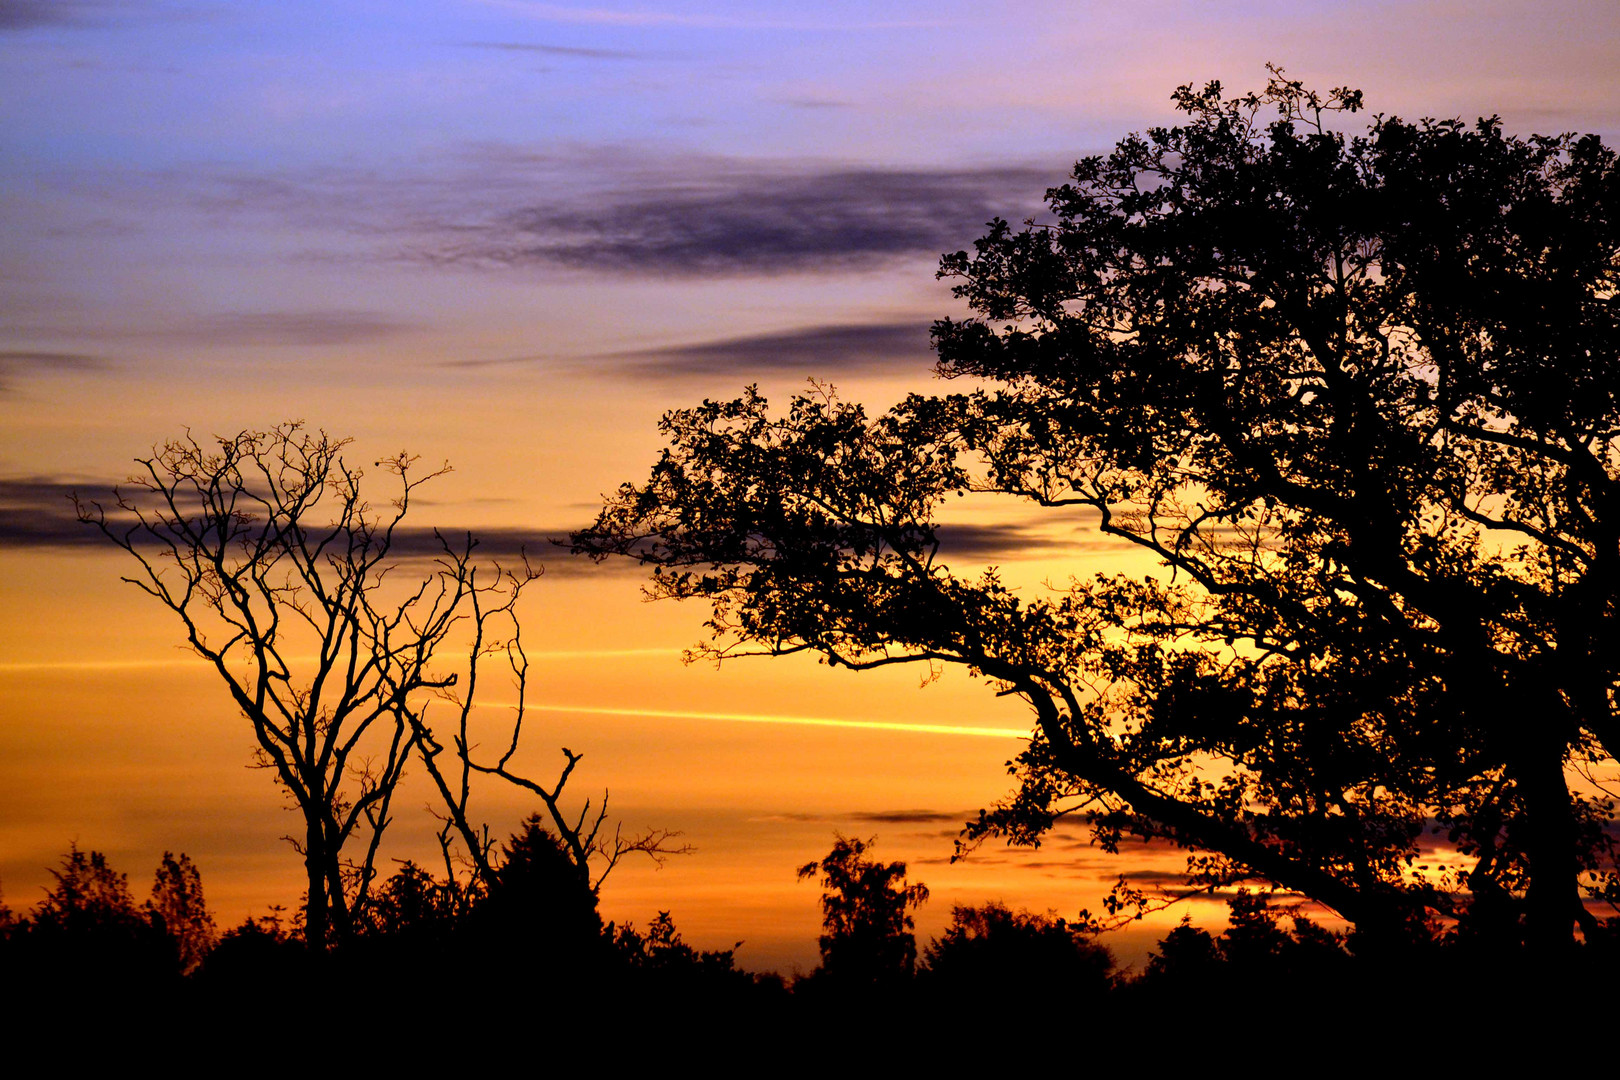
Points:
(785, 719)
(182, 658)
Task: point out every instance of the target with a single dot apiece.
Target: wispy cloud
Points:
(836, 348)
(32, 14)
(555, 50)
(818, 103)
(910, 817)
(23, 15)
(38, 512)
(545, 548)
(877, 817)
(1011, 541)
(228, 329)
(20, 363)
(186, 659)
(293, 328)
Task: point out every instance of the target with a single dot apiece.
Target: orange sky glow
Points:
(510, 236)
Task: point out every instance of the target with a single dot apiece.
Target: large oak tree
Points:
(1358, 394)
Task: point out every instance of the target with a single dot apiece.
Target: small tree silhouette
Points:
(866, 910)
(177, 909)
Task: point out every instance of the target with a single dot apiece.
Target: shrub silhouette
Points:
(1019, 956)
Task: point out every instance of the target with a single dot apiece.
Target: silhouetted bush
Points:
(88, 938)
(1018, 957)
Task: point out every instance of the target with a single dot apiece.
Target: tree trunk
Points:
(316, 914)
(1553, 893)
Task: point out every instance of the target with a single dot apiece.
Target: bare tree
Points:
(593, 850)
(289, 582)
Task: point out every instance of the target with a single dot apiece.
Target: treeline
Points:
(533, 939)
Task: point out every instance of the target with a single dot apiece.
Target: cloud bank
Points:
(624, 212)
(747, 220)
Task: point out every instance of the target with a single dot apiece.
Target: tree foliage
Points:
(87, 928)
(1024, 958)
(1359, 395)
(178, 909)
(866, 909)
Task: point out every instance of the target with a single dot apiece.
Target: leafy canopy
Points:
(1357, 393)
(866, 909)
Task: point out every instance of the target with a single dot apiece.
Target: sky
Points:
(509, 235)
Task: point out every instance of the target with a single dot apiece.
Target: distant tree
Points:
(412, 902)
(866, 911)
(539, 906)
(291, 584)
(1255, 954)
(663, 956)
(88, 931)
(177, 909)
(1187, 954)
(1025, 957)
(88, 894)
(1359, 394)
(1254, 939)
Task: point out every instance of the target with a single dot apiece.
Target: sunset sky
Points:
(510, 234)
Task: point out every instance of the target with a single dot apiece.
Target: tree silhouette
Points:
(87, 930)
(538, 904)
(293, 586)
(866, 911)
(177, 908)
(88, 893)
(1028, 958)
(660, 966)
(1358, 394)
